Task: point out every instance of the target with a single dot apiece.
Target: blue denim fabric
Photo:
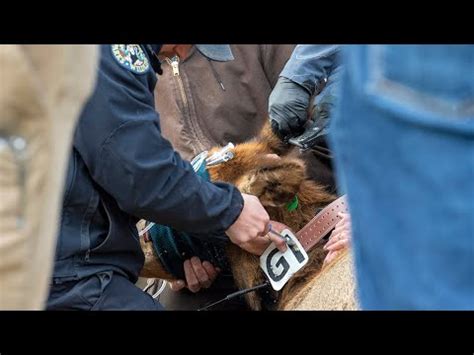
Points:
(403, 138)
(312, 65)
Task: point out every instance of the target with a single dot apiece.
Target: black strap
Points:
(235, 294)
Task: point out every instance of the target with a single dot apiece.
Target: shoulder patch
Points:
(131, 57)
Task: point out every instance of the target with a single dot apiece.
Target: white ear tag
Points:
(280, 267)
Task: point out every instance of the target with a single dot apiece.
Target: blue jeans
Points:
(403, 138)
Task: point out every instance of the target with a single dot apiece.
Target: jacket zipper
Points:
(174, 63)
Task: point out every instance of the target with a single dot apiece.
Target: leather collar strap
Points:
(322, 223)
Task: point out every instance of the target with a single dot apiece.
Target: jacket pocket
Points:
(108, 222)
(96, 293)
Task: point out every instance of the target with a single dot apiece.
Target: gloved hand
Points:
(288, 108)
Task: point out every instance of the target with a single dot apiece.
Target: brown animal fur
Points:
(153, 267)
(275, 182)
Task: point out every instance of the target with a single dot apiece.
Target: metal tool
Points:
(310, 136)
(198, 160)
(221, 156)
(287, 239)
(220, 159)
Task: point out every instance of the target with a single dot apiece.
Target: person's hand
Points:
(258, 245)
(252, 222)
(340, 238)
(288, 108)
(198, 275)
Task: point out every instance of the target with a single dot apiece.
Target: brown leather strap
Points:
(322, 223)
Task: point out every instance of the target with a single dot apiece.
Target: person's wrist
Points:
(285, 82)
(235, 209)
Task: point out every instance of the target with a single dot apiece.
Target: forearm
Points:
(311, 65)
(150, 180)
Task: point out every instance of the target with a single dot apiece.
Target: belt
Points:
(322, 223)
(308, 236)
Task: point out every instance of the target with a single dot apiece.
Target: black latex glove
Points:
(288, 108)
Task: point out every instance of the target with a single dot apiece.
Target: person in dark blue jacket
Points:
(121, 170)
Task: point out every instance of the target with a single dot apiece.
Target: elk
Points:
(262, 168)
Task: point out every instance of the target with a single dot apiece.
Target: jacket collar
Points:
(152, 51)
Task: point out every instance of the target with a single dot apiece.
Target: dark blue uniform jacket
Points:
(121, 169)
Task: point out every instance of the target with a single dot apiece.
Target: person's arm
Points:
(201, 274)
(305, 74)
(140, 169)
(311, 65)
(120, 141)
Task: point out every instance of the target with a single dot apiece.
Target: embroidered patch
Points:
(132, 57)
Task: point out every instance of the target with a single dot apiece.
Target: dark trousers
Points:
(103, 291)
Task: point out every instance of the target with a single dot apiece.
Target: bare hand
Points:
(340, 238)
(251, 224)
(258, 245)
(198, 275)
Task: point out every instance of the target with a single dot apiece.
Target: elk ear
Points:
(275, 182)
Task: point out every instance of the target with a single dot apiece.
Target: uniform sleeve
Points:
(311, 65)
(119, 138)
